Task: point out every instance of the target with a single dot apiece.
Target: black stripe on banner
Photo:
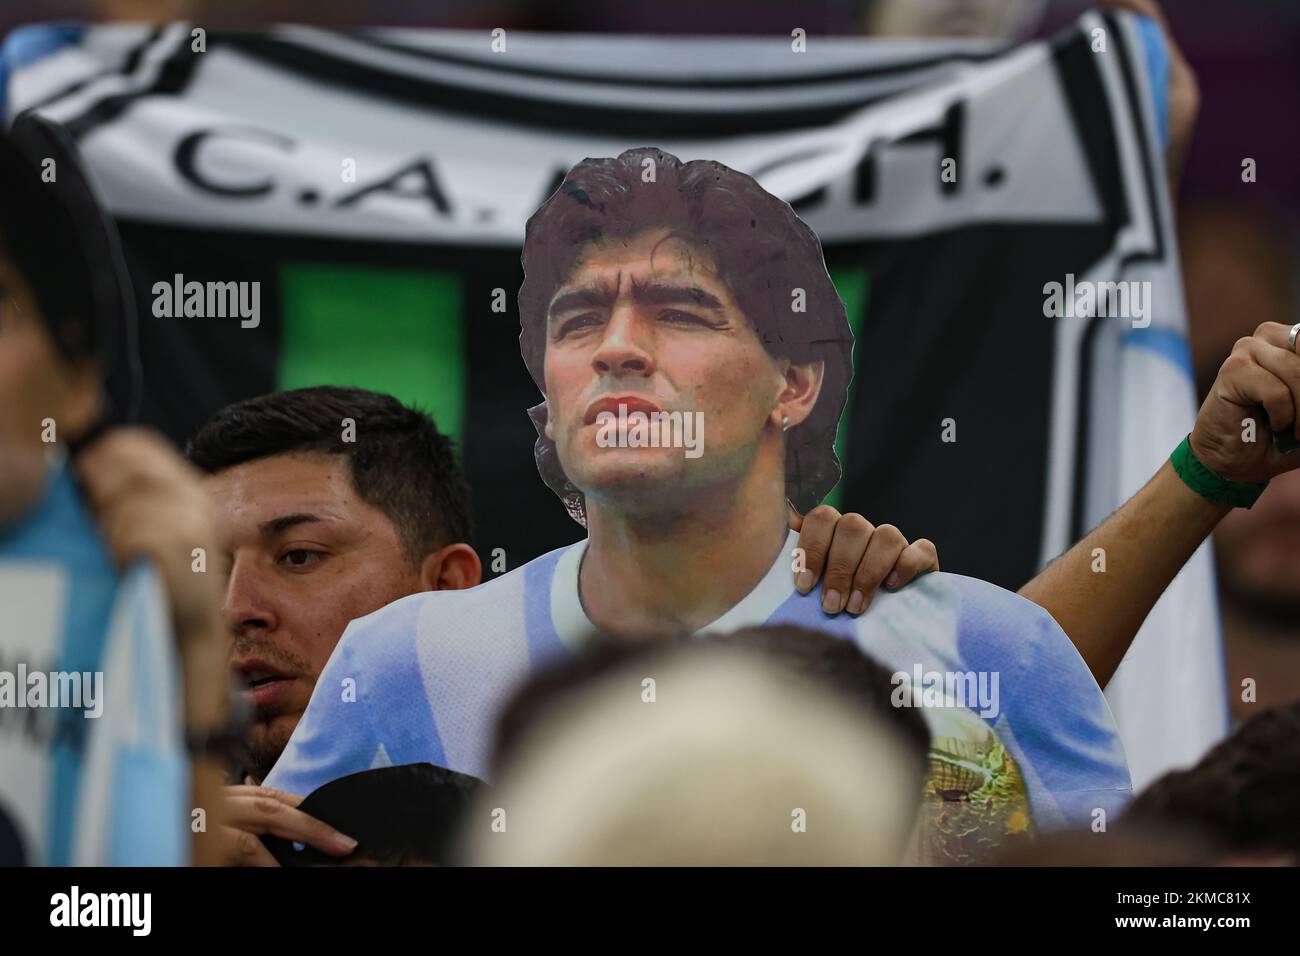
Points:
(702, 82)
(1091, 337)
(1083, 428)
(1085, 97)
(521, 109)
(133, 58)
(1136, 113)
(126, 68)
(174, 75)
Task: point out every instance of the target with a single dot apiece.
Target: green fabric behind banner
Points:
(399, 331)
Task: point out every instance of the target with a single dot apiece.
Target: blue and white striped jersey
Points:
(424, 678)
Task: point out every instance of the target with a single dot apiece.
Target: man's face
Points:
(305, 556)
(36, 383)
(649, 323)
(1258, 549)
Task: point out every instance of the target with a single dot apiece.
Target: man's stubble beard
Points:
(263, 750)
(264, 742)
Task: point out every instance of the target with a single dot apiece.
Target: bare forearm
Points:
(1143, 545)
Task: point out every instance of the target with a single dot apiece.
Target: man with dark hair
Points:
(398, 461)
(331, 502)
(684, 293)
(1244, 794)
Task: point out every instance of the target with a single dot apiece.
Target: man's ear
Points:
(452, 568)
(802, 386)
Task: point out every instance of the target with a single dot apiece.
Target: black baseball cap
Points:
(400, 816)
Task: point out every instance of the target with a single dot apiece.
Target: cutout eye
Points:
(678, 317)
(576, 323)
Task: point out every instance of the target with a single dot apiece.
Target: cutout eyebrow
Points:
(587, 297)
(653, 293)
(661, 293)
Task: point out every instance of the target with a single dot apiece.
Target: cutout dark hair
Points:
(763, 252)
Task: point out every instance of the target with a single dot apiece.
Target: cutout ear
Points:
(803, 385)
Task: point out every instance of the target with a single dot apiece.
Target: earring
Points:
(785, 423)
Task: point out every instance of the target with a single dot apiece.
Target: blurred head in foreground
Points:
(1244, 794)
(706, 752)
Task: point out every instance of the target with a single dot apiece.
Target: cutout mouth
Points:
(611, 405)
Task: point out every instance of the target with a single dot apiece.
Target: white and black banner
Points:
(376, 185)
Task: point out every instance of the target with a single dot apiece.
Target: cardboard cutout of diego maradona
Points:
(694, 359)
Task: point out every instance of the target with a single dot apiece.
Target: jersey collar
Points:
(575, 629)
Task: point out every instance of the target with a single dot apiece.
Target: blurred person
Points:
(319, 526)
(809, 655)
(672, 293)
(92, 772)
(738, 761)
(1241, 268)
(973, 793)
(1245, 793)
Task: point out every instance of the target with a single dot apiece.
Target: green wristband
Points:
(1207, 484)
